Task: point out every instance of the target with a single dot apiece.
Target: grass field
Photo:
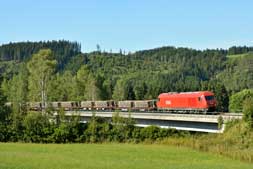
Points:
(109, 156)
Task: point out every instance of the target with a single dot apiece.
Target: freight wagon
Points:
(86, 105)
(104, 105)
(65, 105)
(144, 105)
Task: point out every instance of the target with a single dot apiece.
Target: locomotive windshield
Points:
(209, 98)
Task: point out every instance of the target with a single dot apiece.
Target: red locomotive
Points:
(201, 101)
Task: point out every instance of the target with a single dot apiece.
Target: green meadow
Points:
(240, 55)
(110, 156)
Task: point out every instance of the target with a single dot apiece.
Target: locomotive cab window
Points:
(199, 98)
(209, 98)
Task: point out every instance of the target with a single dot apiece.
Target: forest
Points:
(69, 74)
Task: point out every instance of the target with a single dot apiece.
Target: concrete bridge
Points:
(189, 122)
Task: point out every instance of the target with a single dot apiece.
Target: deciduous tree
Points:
(40, 67)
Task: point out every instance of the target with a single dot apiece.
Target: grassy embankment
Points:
(236, 142)
(100, 156)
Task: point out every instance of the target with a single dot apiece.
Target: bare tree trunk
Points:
(43, 95)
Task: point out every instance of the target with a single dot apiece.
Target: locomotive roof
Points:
(186, 94)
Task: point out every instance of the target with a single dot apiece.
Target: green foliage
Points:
(237, 56)
(145, 74)
(63, 87)
(82, 79)
(222, 98)
(5, 119)
(75, 63)
(4, 111)
(9, 68)
(235, 142)
(235, 50)
(220, 122)
(237, 99)
(87, 85)
(40, 67)
(140, 89)
(92, 92)
(37, 127)
(120, 130)
(151, 132)
(97, 131)
(119, 92)
(16, 91)
(238, 73)
(221, 94)
(248, 111)
(67, 129)
(61, 133)
(22, 51)
(140, 75)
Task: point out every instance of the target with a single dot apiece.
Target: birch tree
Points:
(40, 68)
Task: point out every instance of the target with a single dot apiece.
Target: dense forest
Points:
(22, 51)
(69, 74)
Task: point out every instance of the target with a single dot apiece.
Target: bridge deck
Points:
(162, 116)
(189, 122)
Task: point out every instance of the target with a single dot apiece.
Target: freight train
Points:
(184, 102)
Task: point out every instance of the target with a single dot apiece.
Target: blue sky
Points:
(129, 24)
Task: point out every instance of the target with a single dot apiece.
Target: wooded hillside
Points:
(140, 75)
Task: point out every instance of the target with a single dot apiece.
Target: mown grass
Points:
(109, 156)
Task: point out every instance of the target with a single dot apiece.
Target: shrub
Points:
(97, 130)
(150, 132)
(236, 100)
(248, 111)
(220, 122)
(37, 127)
(136, 134)
(61, 134)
